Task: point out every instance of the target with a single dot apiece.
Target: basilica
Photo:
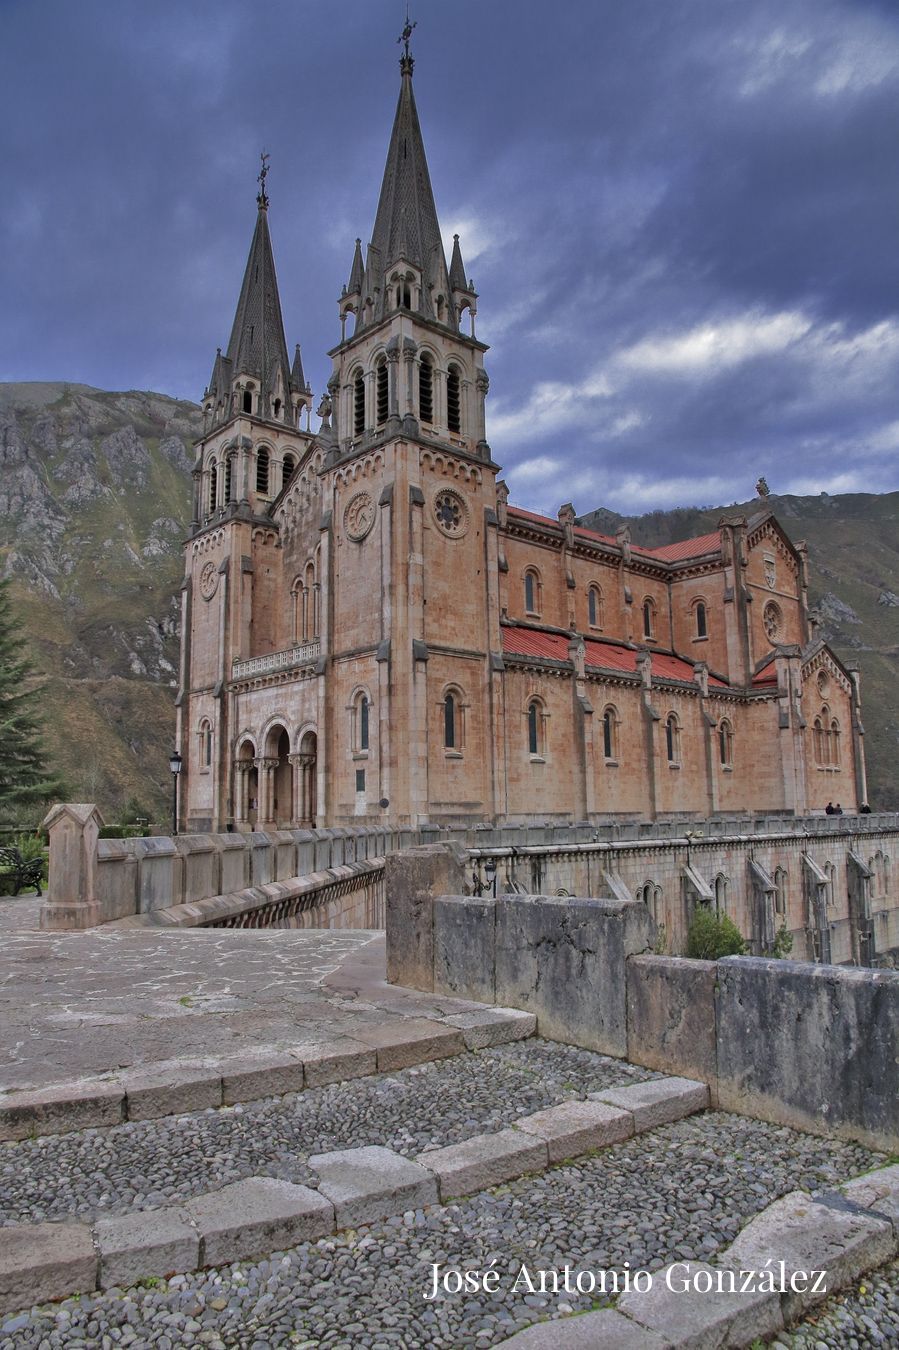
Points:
(373, 633)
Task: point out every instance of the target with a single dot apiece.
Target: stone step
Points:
(733, 1303)
(177, 1087)
(354, 1187)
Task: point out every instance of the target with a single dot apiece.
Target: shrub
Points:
(712, 935)
(783, 943)
(29, 845)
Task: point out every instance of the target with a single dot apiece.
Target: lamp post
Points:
(175, 766)
(490, 869)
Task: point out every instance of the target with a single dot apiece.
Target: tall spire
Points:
(406, 225)
(257, 347)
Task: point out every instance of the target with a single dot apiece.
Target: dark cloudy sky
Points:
(681, 215)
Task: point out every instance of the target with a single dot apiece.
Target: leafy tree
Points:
(24, 779)
(711, 935)
(783, 943)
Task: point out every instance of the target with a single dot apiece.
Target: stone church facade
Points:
(373, 634)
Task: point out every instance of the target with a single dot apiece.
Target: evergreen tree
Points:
(24, 779)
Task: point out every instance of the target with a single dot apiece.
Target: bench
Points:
(23, 873)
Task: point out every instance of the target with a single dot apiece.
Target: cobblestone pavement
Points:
(145, 1164)
(76, 1004)
(867, 1314)
(684, 1190)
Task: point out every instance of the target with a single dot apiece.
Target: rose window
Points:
(451, 513)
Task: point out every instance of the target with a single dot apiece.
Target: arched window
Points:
(672, 739)
(780, 891)
(426, 388)
(358, 403)
(818, 734)
(536, 735)
(229, 477)
(381, 389)
(213, 486)
(830, 873)
(310, 602)
(721, 893)
(204, 736)
(262, 468)
(362, 719)
(247, 401)
(287, 468)
(651, 896)
(296, 595)
(702, 629)
(835, 743)
(594, 607)
(532, 589)
(277, 408)
(649, 612)
(404, 295)
(454, 400)
(610, 733)
(726, 743)
(453, 721)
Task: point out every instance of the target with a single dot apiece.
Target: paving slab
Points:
(494, 1026)
(247, 1077)
(149, 1242)
(368, 1184)
(811, 1235)
(602, 1330)
(171, 1091)
(56, 1110)
(410, 1041)
(484, 1161)
(575, 1127)
(43, 1261)
(336, 1061)
(691, 1304)
(658, 1102)
(878, 1191)
(257, 1216)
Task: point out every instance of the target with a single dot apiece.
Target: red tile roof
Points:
(600, 655)
(687, 548)
(690, 548)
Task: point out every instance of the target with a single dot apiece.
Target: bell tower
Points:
(412, 493)
(405, 363)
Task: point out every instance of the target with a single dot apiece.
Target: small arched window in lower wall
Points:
(536, 729)
(672, 739)
(453, 722)
(204, 736)
(725, 744)
(610, 734)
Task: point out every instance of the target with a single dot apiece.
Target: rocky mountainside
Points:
(94, 498)
(854, 585)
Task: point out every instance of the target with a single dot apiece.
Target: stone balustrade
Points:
(301, 655)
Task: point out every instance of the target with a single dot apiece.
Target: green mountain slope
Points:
(853, 545)
(94, 499)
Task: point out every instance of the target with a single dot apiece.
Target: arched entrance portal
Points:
(278, 807)
(307, 768)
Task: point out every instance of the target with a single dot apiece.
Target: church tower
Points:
(252, 444)
(413, 495)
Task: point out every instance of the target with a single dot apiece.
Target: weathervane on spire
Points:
(404, 37)
(261, 198)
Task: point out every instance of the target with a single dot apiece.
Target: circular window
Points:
(772, 621)
(359, 516)
(823, 683)
(451, 513)
(209, 580)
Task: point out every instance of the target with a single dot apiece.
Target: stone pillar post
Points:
(265, 813)
(72, 901)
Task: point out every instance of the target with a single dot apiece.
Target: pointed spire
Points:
(357, 271)
(457, 268)
(297, 378)
(406, 222)
(257, 346)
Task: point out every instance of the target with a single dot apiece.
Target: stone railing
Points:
(346, 896)
(301, 655)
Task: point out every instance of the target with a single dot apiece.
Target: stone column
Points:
(72, 900)
(241, 775)
(298, 763)
(265, 814)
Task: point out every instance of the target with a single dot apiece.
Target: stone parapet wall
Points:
(811, 1046)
